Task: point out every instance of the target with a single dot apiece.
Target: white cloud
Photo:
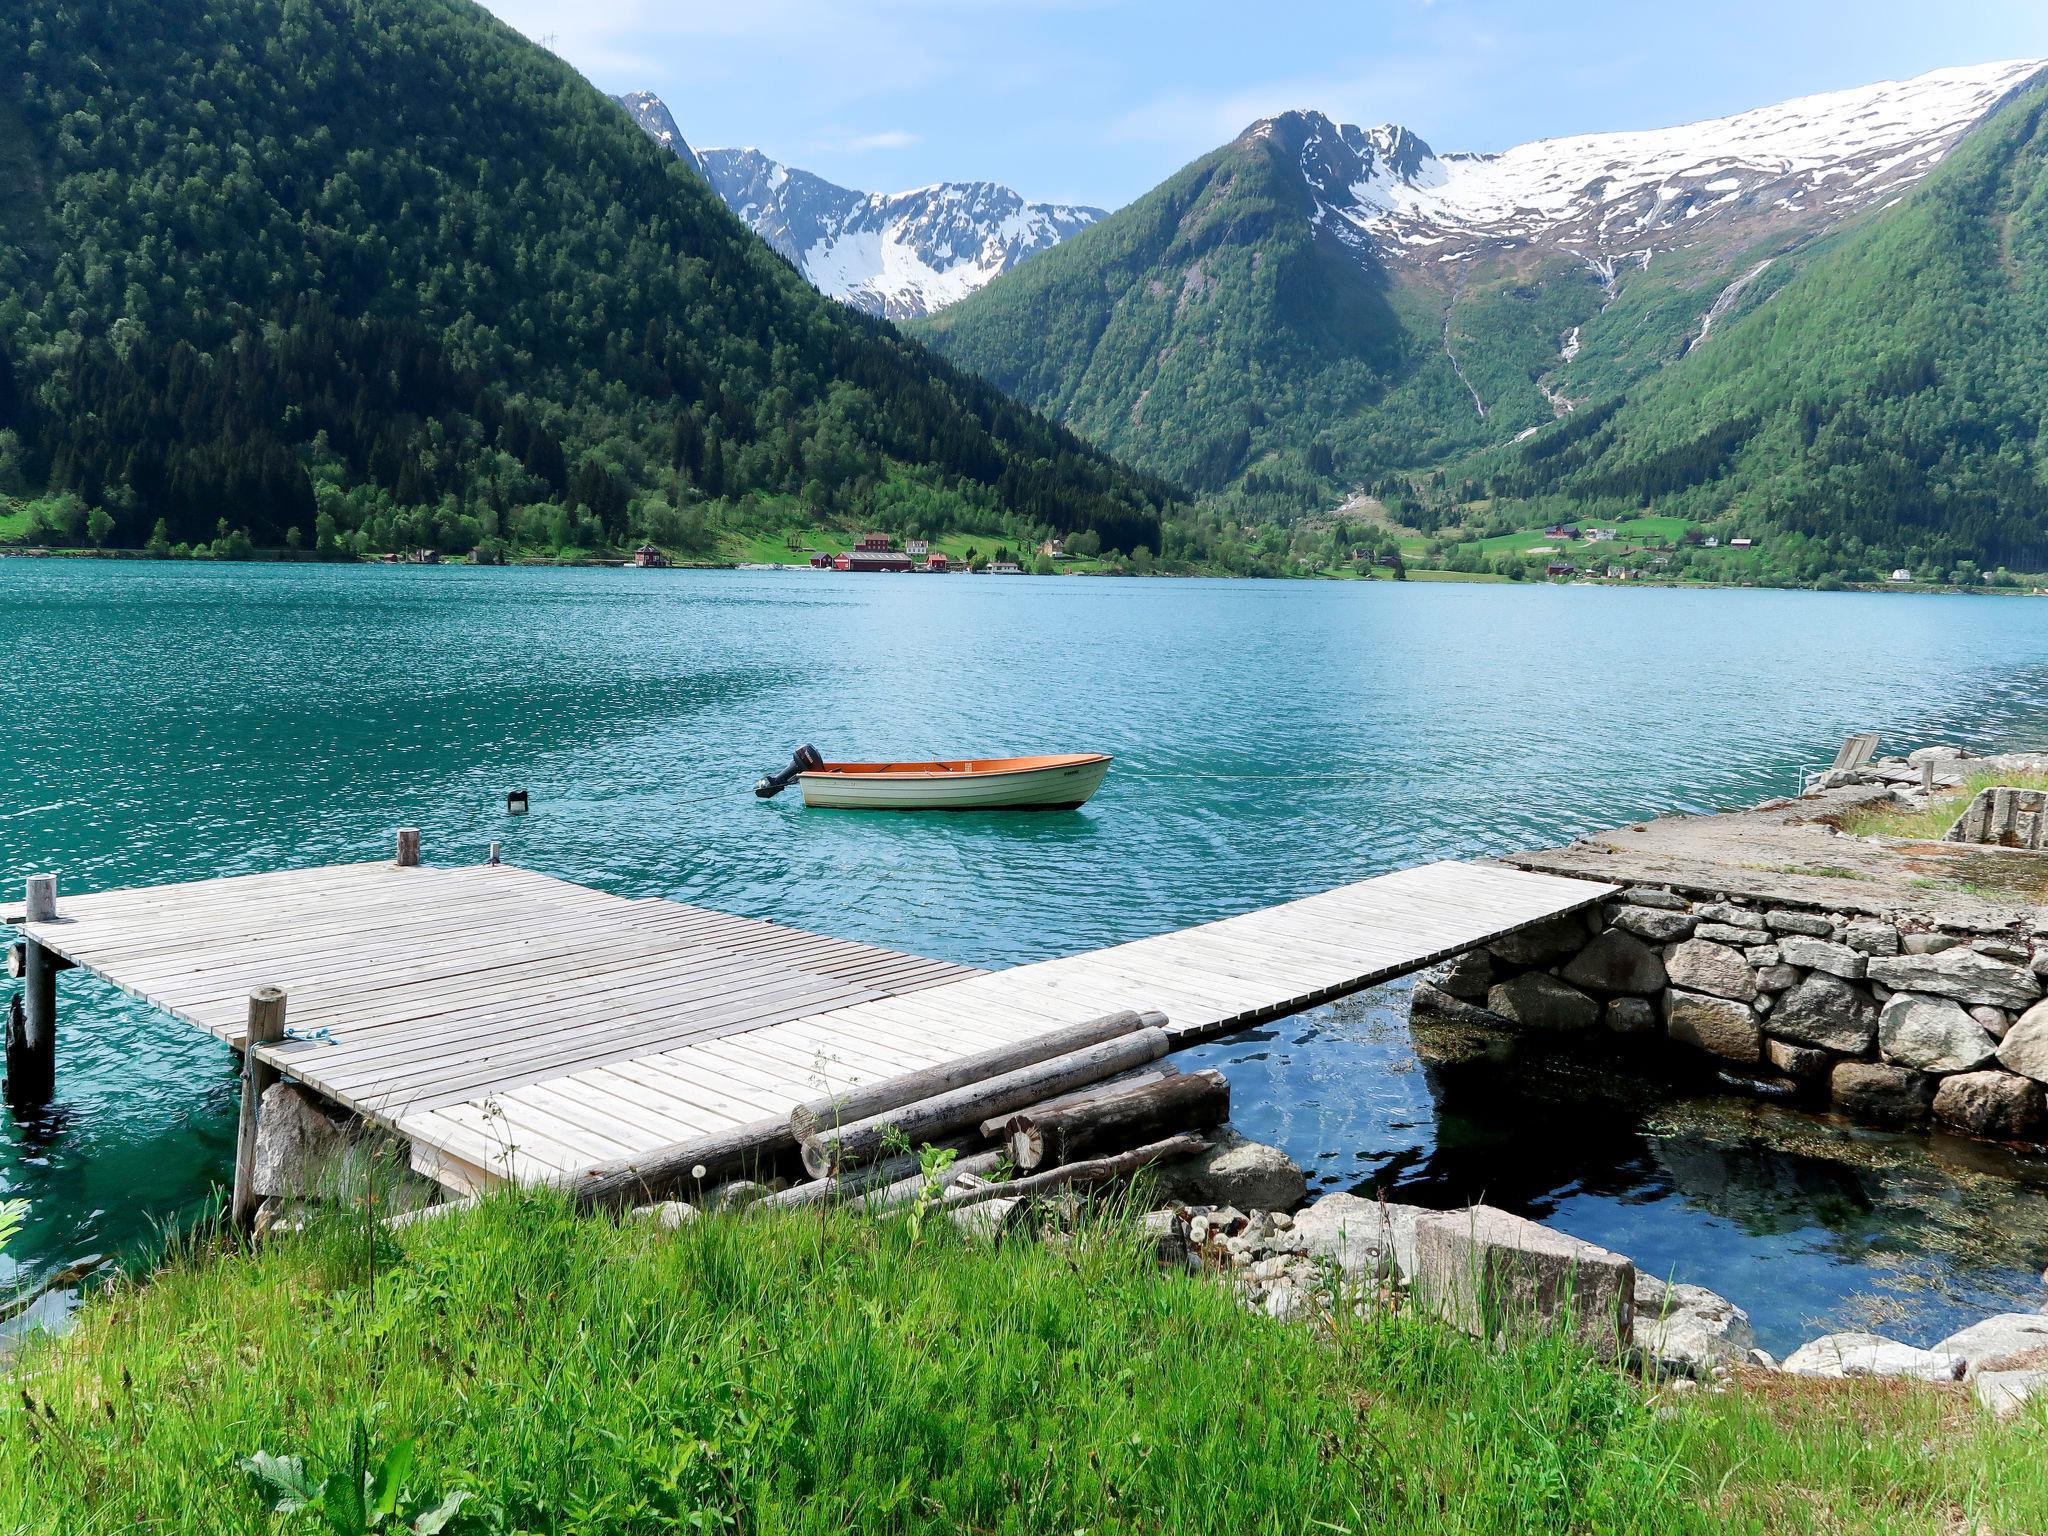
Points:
(889, 138)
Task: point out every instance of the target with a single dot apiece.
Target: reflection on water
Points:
(184, 721)
(1809, 1223)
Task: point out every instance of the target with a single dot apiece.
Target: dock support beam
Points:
(408, 847)
(266, 1027)
(32, 1018)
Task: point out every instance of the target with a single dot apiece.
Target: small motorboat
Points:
(1057, 782)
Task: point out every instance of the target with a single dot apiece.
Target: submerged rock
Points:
(1996, 1105)
(1870, 1354)
(1880, 1095)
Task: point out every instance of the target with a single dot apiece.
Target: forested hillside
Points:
(379, 273)
(1887, 406)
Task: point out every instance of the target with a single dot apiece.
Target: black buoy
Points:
(806, 758)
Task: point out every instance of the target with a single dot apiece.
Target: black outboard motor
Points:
(775, 783)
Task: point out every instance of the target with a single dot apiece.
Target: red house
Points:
(873, 553)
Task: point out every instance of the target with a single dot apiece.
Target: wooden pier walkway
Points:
(515, 1026)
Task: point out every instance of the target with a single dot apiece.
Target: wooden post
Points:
(266, 1026)
(408, 847)
(32, 1026)
(494, 856)
(1927, 777)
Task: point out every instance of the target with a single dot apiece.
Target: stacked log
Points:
(1061, 1132)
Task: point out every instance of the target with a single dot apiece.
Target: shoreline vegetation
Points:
(520, 1367)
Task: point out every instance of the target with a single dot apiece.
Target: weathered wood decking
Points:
(516, 1026)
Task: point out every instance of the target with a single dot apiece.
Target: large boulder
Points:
(1365, 1239)
(1699, 965)
(1963, 974)
(1719, 1026)
(1426, 1000)
(1734, 916)
(1826, 1011)
(1630, 1016)
(1537, 1001)
(1819, 955)
(1468, 976)
(1497, 1275)
(1871, 1354)
(1689, 1329)
(1999, 1106)
(1616, 962)
(1880, 1095)
(2007, 1342)
(1812, 924)
(300, 1147)
(1933, 1034)
(1872, 937)
(1656, 924)
(2005, 1393)
(1543, 943)
(1797, 1061)
(2025, 1047)
(1234, 1171)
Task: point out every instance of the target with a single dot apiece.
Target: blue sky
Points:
(1098, 100)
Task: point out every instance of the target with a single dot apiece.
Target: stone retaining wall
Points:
(1884, 1023)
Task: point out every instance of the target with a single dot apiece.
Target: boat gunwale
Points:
(935, 770)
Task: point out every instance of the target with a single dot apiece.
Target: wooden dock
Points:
(514, 1026)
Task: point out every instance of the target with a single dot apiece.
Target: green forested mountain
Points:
(1886, 406)
(381, 273)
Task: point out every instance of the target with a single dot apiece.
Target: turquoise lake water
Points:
(167, 721)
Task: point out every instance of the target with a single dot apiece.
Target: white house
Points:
(1902, 574)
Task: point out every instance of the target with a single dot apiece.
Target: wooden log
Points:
(976, 1168)
(996, 1126)
(266, 1027)
(660, 1173)
(1092, 1171)
(848, 1146)
(807, 1121)
(17, 960)
(1061, 1134)
(408, 847)
(857, 1181)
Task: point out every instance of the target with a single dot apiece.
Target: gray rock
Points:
(1719, 1026)
(1762, 957)
(1630, 1016)
(1616, 962)
(1926, 943)
(1427, 999)
(2003, 949)
(1543, 943)
(1999, 1106)
(2009, 1341)
(1826, 1011)
(1801, 1061)
(1962, 974)
(2006, 1392)
(1729, 913)
(668, 1214)
(735, 1195)
(1872, 937)
(1996, 1021)
(2025, 1047)
(1468, 976)
(1689, 1328)
(986, 1221)
(1777, 978)
(1933, 1034)
(1362, 1237)
(1939, 754)
(300, 1147)
(1656, 924)
(1650, 896)
(1496, 1275)
(1809, 923)
(1820, 955)
(1726, 933)
(1700, 966)
(1870, 1354)
(1536, 1001)
(1880, 1095)
(1247, 1174)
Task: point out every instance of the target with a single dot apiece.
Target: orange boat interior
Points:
(978, 767)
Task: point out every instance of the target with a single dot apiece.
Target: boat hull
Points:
(1056, 785)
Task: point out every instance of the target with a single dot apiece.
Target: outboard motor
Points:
(775, 783)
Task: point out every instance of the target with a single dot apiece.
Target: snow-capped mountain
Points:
(1613, 197)
(898, 254)
(651, 113)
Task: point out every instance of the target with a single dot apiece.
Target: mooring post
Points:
(494, 855)
(408, 847)
(1927, 777)
(32, 1028)
(266, 1027)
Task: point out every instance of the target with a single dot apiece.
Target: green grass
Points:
(1939, 814)
(829, 1374)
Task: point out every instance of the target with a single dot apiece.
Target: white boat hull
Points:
(1058, 787)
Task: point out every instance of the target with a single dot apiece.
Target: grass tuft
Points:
(1931, 822)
